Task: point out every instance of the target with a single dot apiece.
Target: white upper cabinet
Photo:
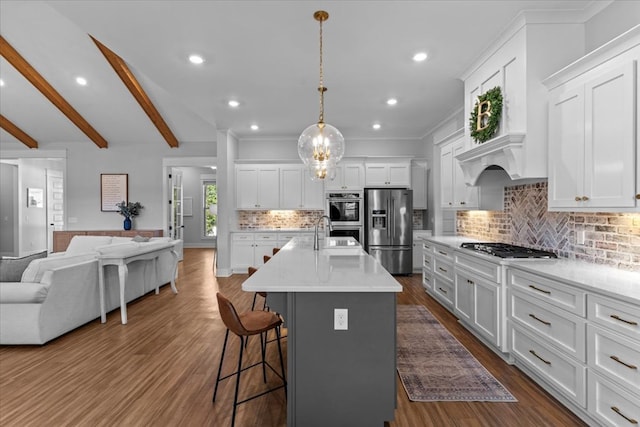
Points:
(349, 176)
(593, 120)
(419, 184)
(257, 187)
(388, 174)
(454, 193)
(297, 190)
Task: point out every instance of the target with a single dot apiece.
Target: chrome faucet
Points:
(315, 236)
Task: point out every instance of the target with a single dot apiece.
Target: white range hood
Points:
(525, 53)
(506, 151)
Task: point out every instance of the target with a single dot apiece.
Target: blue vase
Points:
(127, 223)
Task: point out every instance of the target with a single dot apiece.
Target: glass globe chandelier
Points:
(321, 146)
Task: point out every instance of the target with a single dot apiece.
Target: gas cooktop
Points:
(504, 250)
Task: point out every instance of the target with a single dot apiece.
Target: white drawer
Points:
(567, 375)
(426, 280)
(443, 290)
(443, 267)
(482, 268)
(611, 405)
(265, 237)
(242, 237)
(427, 261)
(617, 315)
(614, 356)
(443, 251)
(565, 330)
(284, 238)
(555, 293)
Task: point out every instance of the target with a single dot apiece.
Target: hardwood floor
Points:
(160, 368)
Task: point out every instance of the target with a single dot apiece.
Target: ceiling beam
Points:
(39, 82)
(18, 133)
(122, 69)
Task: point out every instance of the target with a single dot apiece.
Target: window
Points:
(210, 203)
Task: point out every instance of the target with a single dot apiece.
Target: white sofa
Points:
(60, 293)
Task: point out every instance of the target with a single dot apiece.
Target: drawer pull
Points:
(536, 355)
(617, 359)
(443, 253)
(442, 269)
(444, 291)
(619, 412)
(540, 290)
(630, 322)
(533, 316)
(470, 282)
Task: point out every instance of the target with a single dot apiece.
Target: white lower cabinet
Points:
(248, 249)
(613, 348)
(580, 344)
(564, 373)
(442, 278)
(610, 404)
(477, 303)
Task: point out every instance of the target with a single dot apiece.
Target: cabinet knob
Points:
(638, 196)
(585, 198)
(463, 203)
(578, 198)
(450, 203)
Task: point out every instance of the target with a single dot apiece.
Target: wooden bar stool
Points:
(244, 325)
(275, 251)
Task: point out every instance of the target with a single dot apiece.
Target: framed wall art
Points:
(114, 188)
(35, 198)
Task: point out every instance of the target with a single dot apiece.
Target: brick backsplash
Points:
(611, 239)
(248, 220)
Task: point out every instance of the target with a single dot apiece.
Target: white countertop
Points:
(298, 268)
(606, 280)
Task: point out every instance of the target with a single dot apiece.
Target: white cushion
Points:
(37, 267)
(119, 239)
(84, 244)
(22, 293)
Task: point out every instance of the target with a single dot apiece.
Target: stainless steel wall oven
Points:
(345, 209)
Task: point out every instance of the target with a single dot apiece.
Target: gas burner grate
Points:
(505, 250)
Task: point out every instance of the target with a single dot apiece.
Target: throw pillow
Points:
(11, 269)
(140, 239)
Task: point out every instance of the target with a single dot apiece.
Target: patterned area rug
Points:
(434, 366)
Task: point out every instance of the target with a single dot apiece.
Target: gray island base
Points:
(335, 377)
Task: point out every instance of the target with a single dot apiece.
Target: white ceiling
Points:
(263, 53)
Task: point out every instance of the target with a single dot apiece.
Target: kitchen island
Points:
(335, 377)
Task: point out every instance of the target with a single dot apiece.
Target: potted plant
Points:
(128, 211)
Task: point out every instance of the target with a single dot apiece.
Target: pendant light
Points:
(321, 146)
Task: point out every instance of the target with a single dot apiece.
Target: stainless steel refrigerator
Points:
(388, 223)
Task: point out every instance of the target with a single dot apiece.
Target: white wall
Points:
(142, 162)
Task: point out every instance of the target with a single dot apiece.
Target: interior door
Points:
(55, 205)
(176, 224)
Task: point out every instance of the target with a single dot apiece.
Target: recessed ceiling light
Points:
(1, 82)
(392, 101)
(196, 59)
(376, 126)
(233, 103)
(420, 56)
(213, 167)
(81, 81)
(255, 127)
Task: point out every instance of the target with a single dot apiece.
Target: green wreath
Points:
(490, 116)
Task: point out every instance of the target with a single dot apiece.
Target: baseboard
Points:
(223, 272)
